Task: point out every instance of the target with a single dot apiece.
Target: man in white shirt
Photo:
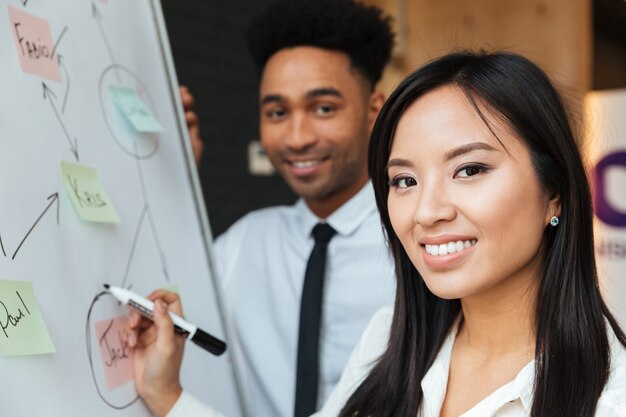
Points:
(319, 62)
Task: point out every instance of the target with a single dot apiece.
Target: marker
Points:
(146, 307)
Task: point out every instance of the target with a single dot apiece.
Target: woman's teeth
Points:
(450, 247)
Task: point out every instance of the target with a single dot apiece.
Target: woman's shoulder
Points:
(377, 331)
(612, 403)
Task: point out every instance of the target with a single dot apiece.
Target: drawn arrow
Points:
(155, 236)
(56, 44)
(95, 13)
(50, 95)
(2, 246)
(67, 79)
(54, 198)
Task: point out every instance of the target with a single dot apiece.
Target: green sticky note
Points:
(172, 288)
(23, 331)
(87, 193)
(134, 109)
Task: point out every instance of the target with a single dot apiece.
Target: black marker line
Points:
(54, 48)
(67, 79)
(95, 13)
(134, 245)
(2, 247)
(150, 218)
(49, 94)
(23, 303)
(89, 353)
(54, 198)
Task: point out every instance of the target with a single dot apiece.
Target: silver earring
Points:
(554, 221)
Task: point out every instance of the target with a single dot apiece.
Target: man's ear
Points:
(376, 101)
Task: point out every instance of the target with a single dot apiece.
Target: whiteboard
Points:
(163, 237)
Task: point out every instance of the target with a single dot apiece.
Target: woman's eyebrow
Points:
(474, 146)
(397, 162)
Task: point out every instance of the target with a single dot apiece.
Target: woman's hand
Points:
(158, 353)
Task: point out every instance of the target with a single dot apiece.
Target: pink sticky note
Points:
(117, 360)
(34, 45)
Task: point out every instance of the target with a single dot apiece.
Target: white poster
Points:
(606, 141)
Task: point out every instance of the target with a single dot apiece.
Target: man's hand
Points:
(158, 353)
(197, 145)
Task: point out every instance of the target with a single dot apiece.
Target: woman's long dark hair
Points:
(572, 359)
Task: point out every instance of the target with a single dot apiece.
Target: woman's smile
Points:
(470, 199)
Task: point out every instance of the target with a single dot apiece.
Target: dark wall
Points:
(210, 55)
(609, 44)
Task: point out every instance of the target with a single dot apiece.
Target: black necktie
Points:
(310, 317)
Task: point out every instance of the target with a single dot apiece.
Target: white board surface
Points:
(162, 238)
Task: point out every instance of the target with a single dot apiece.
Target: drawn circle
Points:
(138, 145)
(90, 352)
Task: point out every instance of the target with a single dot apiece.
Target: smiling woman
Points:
(460, 183)
(487, 209)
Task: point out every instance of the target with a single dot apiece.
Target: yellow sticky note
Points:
(23, 331)
(85, 190)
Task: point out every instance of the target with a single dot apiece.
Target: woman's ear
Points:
(554, 207)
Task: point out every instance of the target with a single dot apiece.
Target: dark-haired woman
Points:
(487, 209)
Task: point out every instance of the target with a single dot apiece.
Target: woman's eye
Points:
(402, 182)
(470, 171)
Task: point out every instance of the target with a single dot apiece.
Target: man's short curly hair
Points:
(360, 31)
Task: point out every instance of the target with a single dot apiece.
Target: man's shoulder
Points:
(259, 222)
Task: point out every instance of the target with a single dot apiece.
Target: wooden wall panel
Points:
(557, 34)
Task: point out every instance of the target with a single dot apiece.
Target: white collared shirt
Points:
(513, 399)
(261, 262)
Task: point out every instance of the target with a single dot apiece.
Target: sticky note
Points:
(134, 109)
(117, 359)
(23, 331)
(172, 288)
(87, 194)
(34, 46)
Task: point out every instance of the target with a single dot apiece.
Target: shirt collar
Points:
(435, 381)
(347, 218)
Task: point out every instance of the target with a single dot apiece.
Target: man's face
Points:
(316, 112)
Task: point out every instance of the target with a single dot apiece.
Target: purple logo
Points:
(605, 212)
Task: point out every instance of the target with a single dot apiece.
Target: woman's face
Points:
(469, 210)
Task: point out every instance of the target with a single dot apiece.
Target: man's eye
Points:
(275, 113)
(402, 182)
(324, 109)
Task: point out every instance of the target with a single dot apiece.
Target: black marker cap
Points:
(208, 342)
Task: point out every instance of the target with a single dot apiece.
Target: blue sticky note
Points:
(134, 109)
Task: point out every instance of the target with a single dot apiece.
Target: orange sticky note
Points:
(117, 360)
(34, 46)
